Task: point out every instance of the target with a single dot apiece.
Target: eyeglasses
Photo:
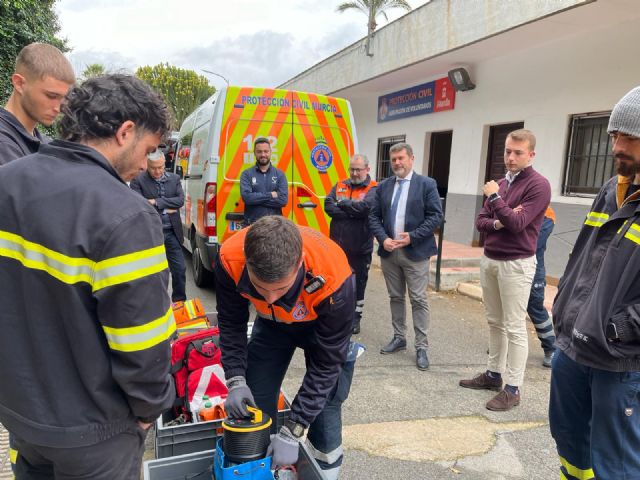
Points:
(357, 170)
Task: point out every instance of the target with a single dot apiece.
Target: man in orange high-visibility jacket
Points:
(301, 285)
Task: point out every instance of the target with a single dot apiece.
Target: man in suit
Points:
(405, 212)
(164, 191)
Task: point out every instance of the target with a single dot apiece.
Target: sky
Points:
(250, 42)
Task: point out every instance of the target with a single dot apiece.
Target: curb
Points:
(472, 290)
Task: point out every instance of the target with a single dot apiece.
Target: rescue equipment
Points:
(195, 360)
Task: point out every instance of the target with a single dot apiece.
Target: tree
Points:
(93, 70)
(24, 22)
(373, 8)
(183, 90)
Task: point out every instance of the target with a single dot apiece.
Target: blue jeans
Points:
(594, 416)
(535, 308)
(175, 257)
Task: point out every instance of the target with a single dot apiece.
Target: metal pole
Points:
(217, 75)
(440, 240)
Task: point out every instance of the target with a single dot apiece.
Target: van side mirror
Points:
(179, 171)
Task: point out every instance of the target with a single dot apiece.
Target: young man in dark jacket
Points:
(510, 218)
(594, 406)
(301, 286)
(348, 205)
(87, 319)
(41, 79)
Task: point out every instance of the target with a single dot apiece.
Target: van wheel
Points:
(201, 276)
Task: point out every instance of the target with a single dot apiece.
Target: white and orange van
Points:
(312, 138)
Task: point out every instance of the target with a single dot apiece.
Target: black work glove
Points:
(238, 398)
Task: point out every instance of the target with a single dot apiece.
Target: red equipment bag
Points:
(196, 367)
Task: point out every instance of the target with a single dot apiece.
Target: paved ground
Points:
(402, 423)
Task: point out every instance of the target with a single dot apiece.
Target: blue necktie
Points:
(394, 205)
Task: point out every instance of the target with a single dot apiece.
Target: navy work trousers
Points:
(360, 266)
(175, 258)
(119, 457)
(594, 416)
(270, 351)
(535, 308)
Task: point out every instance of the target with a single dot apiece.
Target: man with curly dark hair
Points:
(86, 328)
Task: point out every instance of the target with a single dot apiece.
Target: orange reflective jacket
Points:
(321, 257)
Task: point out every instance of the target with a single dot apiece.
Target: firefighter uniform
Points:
(348, 205)
(317, 319)
(86, 318)
(594, 407)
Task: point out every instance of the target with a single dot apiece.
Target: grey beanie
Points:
(625, 117)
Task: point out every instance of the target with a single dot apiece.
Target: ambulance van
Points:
(312, 138)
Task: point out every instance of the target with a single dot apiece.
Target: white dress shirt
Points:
(402, 202)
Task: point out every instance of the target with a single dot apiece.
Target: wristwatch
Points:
(297, 429)
(493, 197)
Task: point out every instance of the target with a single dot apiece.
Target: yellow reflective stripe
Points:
(72, 270)
(596, 219)
(32, 255)
(13, 455)
(579, 473)
(633, 236)
(129, 267)
(562, 477)
(141, 337)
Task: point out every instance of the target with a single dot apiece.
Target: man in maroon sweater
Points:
(510, 219)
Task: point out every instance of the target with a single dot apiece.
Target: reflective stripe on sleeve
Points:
(633, 233)
(72, 270)
(578, 473)
(596, 219)
(127, 268)
(141, 337)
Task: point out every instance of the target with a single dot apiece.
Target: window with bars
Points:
(590, 162)
(383, 169)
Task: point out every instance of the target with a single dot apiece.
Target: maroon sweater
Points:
(519, 236)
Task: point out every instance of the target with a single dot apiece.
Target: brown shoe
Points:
(503, 401)
(482, 382)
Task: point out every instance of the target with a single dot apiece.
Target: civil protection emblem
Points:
(321, 156)
(300, 311)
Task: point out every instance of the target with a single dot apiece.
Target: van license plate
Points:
(235, 226)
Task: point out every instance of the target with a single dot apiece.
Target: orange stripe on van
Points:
(306, 179)
(331, 143)
(311, 140)
(236, 163)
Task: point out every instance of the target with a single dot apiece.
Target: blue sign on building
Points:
(417, 100)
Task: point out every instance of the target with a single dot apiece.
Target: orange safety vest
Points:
(345, 190)
(321, 257)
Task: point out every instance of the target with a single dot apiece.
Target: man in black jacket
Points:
(263, 187)
(594, 407)
(164, 192)
(86, 318)
(348, 205)
(41, 79)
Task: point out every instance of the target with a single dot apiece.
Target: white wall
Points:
(541, 86)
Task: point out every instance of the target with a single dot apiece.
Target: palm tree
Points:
(93, 70)
(373, 8)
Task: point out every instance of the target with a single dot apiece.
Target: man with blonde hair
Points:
(510, 218)
(41, 79)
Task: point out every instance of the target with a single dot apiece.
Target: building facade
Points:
(555, 67)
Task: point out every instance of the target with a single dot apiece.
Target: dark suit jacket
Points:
(173, 199)
(422, 217)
